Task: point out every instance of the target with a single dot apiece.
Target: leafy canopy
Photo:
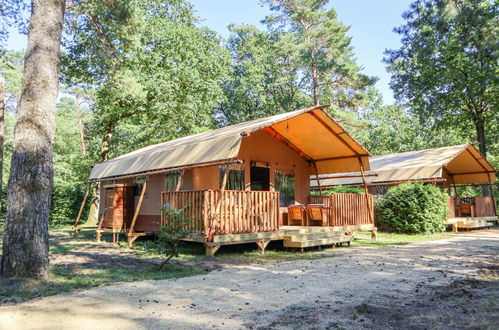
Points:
(446, 69)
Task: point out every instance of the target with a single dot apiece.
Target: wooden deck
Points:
(226, 217)
(292, 236)
(472, 222)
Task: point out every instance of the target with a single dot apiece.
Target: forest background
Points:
(135, 73)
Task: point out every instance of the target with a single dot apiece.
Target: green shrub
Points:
(414, 208)
(340, 190)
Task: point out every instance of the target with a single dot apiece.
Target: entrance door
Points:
(260, 178)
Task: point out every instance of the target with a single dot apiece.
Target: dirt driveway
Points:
(436, 283)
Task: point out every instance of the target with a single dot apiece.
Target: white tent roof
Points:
(461, 163)
(311, 132)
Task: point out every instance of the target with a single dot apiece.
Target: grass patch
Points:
(61, 280)
(388, 239)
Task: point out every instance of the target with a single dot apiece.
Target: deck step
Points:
(318, 242)
(309, 236)
(475, 224)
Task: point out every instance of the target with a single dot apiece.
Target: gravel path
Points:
(299, 294)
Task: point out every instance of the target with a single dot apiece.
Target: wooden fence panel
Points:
(346, 209)
(215, 212)
(485, 206)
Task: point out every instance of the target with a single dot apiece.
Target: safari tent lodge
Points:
(248, 182)
(448, 167)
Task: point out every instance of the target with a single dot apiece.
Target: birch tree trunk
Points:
(25, 244)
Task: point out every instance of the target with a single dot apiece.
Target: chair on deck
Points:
(317, 215)
(295, 213)
(467, 210)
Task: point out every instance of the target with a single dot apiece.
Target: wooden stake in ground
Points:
(25, 242)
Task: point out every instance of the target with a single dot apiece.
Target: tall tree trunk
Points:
(106, 140)
(2, 133)
(93, 214)
(315, 85)
(480, 133)
(25, 245)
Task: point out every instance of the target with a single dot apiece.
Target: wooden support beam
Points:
(366, 193)
(211, 249)
(262, 245)
(346, 176)
(339, 157)
(99, 227)
(82, 206)
(224, 179)
(317, 178)
(137, 210)
(180, 179)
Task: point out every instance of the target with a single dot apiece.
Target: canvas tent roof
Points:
(311, 132)
(464, 164)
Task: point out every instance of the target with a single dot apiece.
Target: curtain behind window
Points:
(285, 184)
(171, 180)
(235, 177)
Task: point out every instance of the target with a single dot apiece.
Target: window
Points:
(285, 184)
(235, 177)
(171, 180)
(260, 178)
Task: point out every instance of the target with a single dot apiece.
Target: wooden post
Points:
(136, 213)
(317, 177)
(262, 244)
(366, 193)
(99, 227)
(224, 179)
(494, 205)
(179, 182)
(211, 249)
(82, 207)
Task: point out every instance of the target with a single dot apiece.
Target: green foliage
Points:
(394, 129)
(11, 68)
(414, 208)
(320, 50)
(340, 190)
(169, 237)
(446, 69)
(263, 80)
(153, 70)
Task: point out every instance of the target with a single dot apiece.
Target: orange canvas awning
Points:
(461, 164)
(311, 132)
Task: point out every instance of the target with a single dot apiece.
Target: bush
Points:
(340, 190)
(414, 208)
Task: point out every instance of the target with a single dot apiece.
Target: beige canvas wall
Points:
(261, 147)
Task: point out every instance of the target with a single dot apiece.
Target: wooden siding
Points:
(452, 207)
(216, 212)
(346, 209)
(485, 206)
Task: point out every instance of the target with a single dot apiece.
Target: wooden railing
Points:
(216, 212)
(346, 209)
(483, 206)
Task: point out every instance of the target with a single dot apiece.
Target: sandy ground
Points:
(322, 293)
